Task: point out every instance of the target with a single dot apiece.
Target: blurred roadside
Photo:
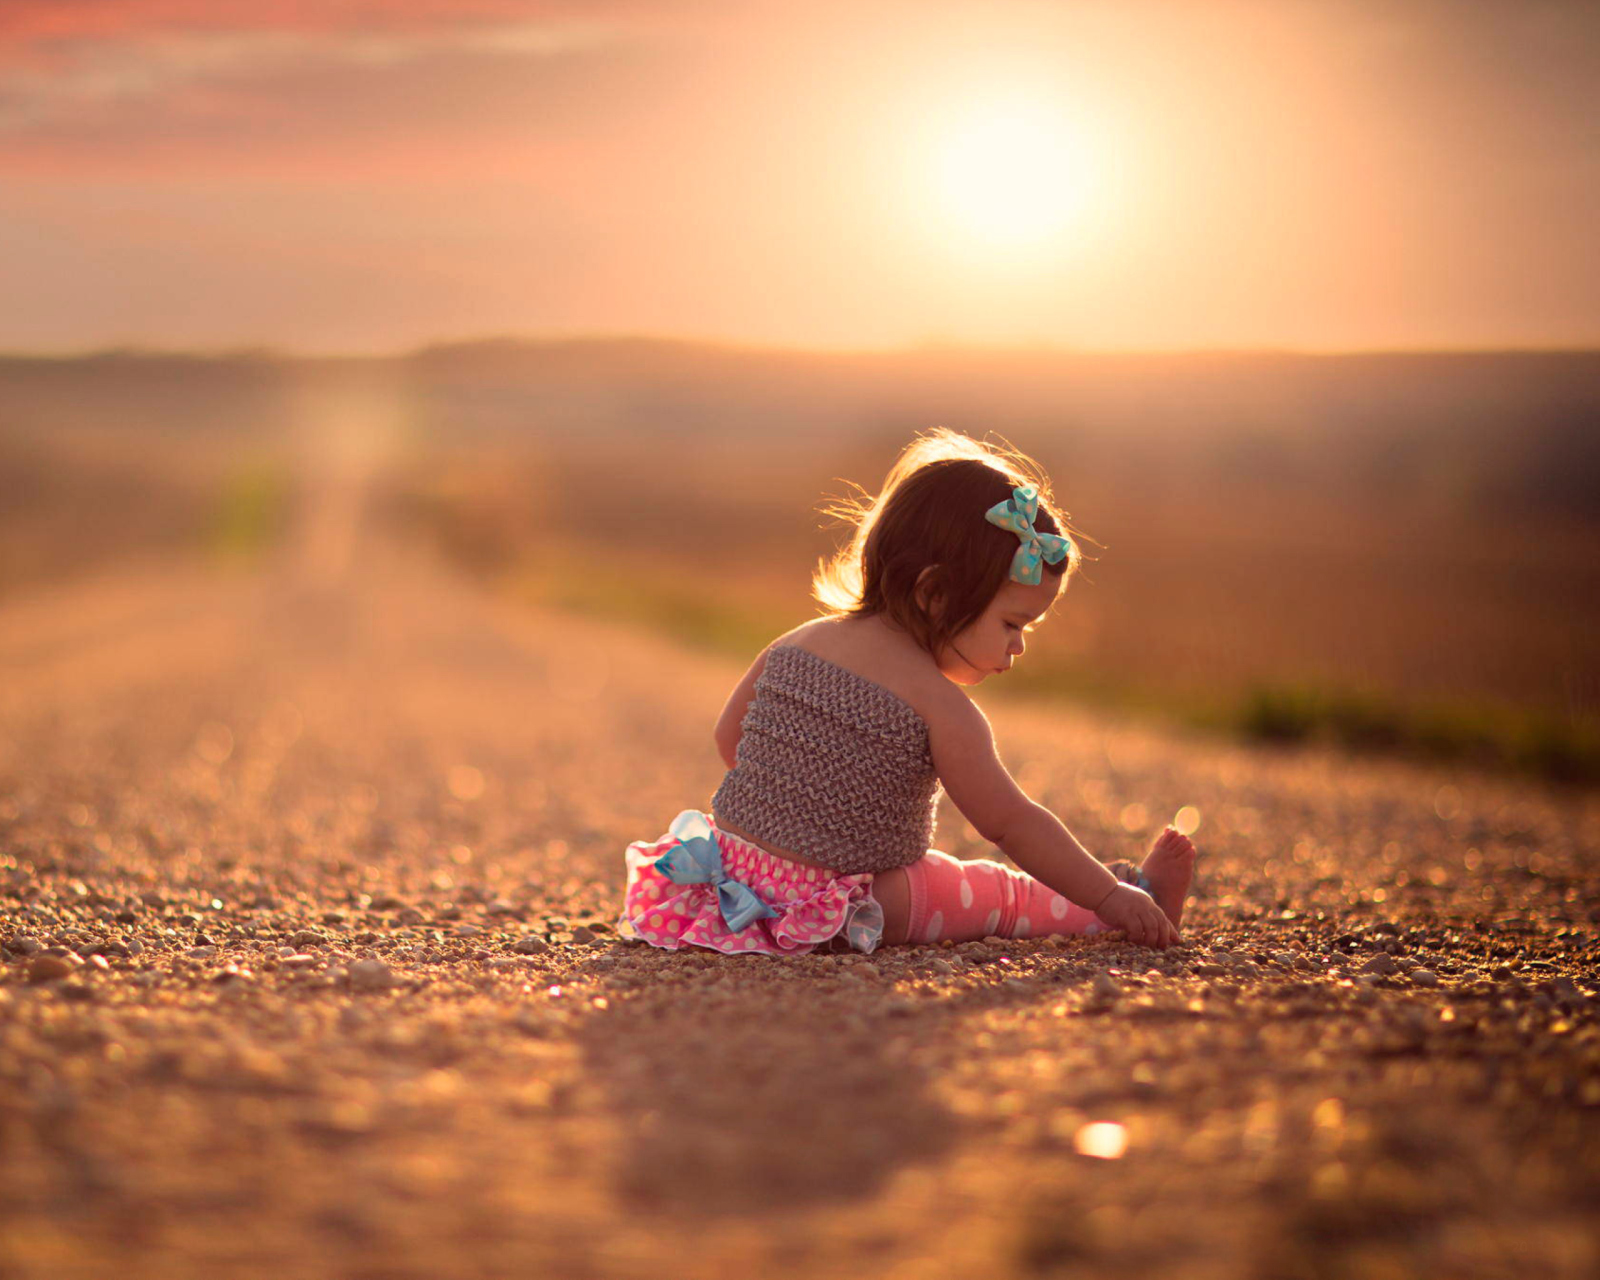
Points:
(1389, 551)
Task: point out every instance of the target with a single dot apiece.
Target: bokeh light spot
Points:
(1103, 1140)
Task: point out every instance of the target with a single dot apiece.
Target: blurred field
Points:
(1389, 551)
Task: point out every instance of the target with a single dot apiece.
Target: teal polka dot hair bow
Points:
(1016, 514)
(697, 859)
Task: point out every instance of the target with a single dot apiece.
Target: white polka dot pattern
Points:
(813, 905)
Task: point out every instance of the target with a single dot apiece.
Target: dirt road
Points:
(306, 877)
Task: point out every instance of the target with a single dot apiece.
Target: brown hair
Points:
(929, 515)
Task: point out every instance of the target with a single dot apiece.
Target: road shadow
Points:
(739, 1089)
(746, 1082)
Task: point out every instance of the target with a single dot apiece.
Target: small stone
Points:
(410, 915)
(1424, 978)
(49, 968)
(1210, 970)
(467, 931)
(24, 944)
(202, 953)
(583, 935)
(1382, 963)
(941, 967)
(75, 991)
(371, 975)
(532, 945)
(1105, 987)
(308, 938)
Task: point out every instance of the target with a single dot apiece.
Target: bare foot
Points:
(1169, 867)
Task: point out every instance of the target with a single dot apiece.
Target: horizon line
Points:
(270, 351)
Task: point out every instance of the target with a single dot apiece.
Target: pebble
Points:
(49, 968)
(24, 944)
(532, 945)
(943, 967)
(583, 935)
(202, 953)
(1424, 977)
(1105, 987)
(1381, 963)
(1210, 970)
(371, 975)
(308, 938)
(467, 931)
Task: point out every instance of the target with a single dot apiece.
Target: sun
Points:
(1012, 175)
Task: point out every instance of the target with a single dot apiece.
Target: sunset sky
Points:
(367, 175)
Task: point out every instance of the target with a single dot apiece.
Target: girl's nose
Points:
(1017, 646)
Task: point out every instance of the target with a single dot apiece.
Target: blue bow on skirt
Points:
(697, 859)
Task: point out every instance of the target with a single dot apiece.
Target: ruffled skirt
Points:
(813, 907)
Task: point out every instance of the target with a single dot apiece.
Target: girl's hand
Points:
(1134, 911)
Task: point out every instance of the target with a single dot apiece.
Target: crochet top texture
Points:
(831, 766)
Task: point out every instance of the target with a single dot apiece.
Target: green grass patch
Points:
(1479, 732)
(675, 606)
(250, 512)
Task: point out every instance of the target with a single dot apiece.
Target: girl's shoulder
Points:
(868, 648)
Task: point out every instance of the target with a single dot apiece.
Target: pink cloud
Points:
(130, 83)
(25, 23)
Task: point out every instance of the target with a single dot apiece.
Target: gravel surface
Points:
(307, 968)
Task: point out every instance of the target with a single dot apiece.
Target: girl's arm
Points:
(1029, 834)
(727, 733)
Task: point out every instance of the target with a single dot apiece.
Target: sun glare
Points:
(1012, 175)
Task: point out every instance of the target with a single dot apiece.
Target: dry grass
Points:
(1278, 615)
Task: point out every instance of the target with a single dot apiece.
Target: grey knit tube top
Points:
(831, 766)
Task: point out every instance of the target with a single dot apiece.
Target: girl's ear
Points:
(926, 592)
